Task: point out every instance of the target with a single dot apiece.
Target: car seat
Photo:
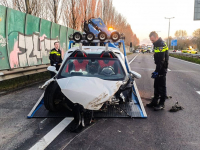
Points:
(78, 64)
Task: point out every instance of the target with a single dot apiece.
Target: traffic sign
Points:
(197, 10)
(173, 42)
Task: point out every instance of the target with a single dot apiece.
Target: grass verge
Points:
(128, 54)
(191, 59)
(24, 81)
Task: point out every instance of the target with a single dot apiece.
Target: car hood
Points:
(90, 92)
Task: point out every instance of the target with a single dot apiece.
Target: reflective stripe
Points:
(158, 49)
(55, 52)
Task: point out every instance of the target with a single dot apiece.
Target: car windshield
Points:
(104, 68)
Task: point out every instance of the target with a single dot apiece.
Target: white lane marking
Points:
(198, 92)
(133, 59)
(185, 61)
(168, 69)
(49, 137)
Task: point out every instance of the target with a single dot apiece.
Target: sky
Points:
(145, 16)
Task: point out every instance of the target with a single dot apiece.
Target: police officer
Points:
(161, 57)
(55, 57)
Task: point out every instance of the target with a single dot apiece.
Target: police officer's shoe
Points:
(153, 103)
(159, 107)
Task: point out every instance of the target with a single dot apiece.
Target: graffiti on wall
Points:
(2, 41)
(2, 44)
(31, 50)
(26, 40)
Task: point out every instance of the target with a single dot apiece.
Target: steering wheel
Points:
(107, 71)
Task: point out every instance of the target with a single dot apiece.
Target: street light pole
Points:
(169, 28)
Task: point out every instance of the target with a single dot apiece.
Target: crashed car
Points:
(89, 79)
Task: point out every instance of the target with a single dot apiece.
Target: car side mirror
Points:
(52, 69)
(135, 74)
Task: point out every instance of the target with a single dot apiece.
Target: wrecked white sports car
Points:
(89, 79)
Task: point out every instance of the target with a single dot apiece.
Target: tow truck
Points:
(94, 81)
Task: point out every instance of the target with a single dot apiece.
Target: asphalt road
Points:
(162, 130)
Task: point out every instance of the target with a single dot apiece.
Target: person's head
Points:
(56, 45)
(153, 36)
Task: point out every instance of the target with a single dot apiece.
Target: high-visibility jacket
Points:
(55, 56)
(161, 56)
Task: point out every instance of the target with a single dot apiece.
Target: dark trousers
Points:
(52, 73)
(160, 89)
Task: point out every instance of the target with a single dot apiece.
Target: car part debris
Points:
(176, 108)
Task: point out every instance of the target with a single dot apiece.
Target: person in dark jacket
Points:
(161, 57)
(55, 57)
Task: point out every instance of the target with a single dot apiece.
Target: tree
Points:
(31, 7)
(6, 3)
(180, 34)
(196, 33)
(56, 8)
(99, 9)
(84, 9)
(72, 13)
(136, 41)
(196, 38)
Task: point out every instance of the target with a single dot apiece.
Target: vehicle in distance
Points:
(137, 51)
(177, 51)
(190, 50)
(149, 48)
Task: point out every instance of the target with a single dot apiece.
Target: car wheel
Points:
(51, 97)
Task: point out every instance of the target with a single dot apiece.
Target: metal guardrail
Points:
(187, 55)
(18, 72)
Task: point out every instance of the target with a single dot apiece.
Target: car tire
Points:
(50, 95)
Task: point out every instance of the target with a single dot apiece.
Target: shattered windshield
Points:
(104, 68)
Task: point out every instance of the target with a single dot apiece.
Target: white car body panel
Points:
(90, 92)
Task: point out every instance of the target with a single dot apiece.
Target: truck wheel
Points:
(51, 97)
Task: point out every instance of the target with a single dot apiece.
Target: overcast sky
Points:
(145, 16)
